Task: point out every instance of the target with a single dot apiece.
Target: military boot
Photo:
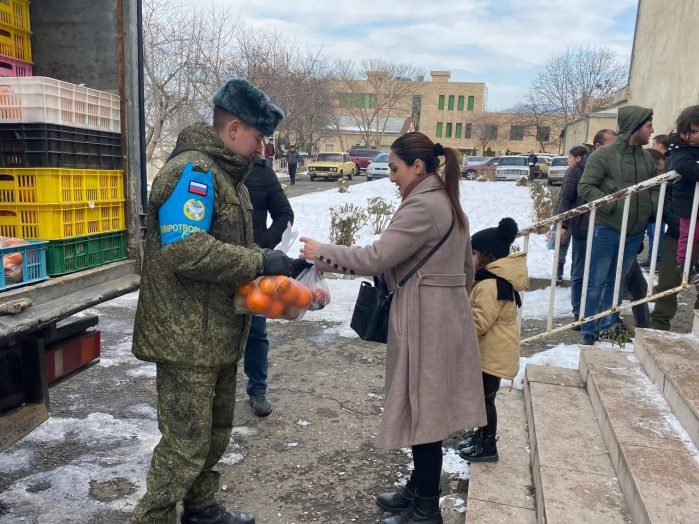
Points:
(395, 501)
(484, 451)
(423, 510)
(470, 439)
(215, 514)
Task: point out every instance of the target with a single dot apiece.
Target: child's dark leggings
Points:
(491, 384)
(427, 459)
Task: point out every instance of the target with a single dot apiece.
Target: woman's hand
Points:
(309, 251)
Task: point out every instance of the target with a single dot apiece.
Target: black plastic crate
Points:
(51, 145)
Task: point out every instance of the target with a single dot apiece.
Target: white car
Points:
(378, 168)
(559, 165)
(512, 168)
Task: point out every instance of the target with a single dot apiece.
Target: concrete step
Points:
(695, 323)
(652, 454)
(573, 474)
(503, 491)
(671, 360)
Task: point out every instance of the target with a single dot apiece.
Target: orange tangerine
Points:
(268, 285)
(304, 298)
(257, 301)
(275, 309)
(289, 295)
(246, 287)
(283, 283)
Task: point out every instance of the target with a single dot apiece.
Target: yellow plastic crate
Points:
(15, 13)
(56, 222)
(15, 43)
(51, 185)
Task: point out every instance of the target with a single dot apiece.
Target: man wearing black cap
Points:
(199, 248)
(609, 169)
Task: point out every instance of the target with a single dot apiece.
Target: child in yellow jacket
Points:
(499, 278)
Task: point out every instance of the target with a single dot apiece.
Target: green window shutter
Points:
(460, 107)
(457, 134)
(471, 102)
(451, 102)
(440, 105)
(448, 129)
(439, 130)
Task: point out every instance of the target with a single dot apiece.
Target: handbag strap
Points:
(428, 255)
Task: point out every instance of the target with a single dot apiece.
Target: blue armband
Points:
(189, 208)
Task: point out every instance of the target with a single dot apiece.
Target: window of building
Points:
(448, 129)
(543, 133)
(358, 100)
(460, 106)
(516, 132)
(439, 130)
(471, 102)
(467, 130)
(457, 133)
(451, 102)
(491, 132)
(440, 105)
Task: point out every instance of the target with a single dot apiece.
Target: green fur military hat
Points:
(242, 99)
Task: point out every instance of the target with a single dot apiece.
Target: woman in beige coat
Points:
(433, 382)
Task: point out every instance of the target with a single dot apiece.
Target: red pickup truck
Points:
(362, 157)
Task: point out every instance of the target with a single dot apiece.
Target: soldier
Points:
(199, 247)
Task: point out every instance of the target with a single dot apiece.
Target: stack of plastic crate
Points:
(60, 176)
(15, 33)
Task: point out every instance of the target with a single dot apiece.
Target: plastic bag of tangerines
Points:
(283, 297)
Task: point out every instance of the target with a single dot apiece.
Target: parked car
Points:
(512, 168)
(331, 166)
(378, 168)
(544, 162)
(362, 157)
(559, 165)
(472, 172)
(470, 162)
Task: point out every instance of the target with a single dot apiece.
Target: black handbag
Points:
(370, 316)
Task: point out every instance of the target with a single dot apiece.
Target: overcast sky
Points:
(500, 42)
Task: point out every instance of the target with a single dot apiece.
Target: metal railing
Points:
(591, 207)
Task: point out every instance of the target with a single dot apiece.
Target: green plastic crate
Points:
(74, 254)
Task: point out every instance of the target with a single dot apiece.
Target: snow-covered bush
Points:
(380, 213)
(345, 222)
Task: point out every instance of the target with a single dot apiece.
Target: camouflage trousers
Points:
(195, 418)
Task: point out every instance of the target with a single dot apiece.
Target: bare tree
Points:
(374, 92)
(537, 121)
(579, 81)
(484, 128)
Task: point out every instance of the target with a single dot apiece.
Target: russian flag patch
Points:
(198, 188)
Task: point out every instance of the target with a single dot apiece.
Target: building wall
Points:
(665, 61)
(582, 131)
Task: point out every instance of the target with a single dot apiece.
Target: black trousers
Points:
(637, 287)
(292, 172)
(427, 459)
(491, 384)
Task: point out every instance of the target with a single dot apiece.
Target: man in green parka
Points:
(609, 169)
(199, 248)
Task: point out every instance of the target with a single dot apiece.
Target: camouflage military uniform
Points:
(185, 323)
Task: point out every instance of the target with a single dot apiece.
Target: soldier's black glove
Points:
(298, 265)
(275, 262)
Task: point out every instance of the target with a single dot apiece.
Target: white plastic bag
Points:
(313, 280)
(288, 238)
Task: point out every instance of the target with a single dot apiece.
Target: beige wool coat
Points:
(433, 384)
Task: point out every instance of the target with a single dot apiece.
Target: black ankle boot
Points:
(484, 451)
(396, 500)
(470, 439)
(215, 514)
(423, 510)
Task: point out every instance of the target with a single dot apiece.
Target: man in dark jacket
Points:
(610, 169)
(199, 248)
(292, 159)
(270, 152)
(267, 196)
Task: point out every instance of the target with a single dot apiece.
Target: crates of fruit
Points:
(50, 101)
(51, 145)
(74, 254)
(13, 67)
(23, 261)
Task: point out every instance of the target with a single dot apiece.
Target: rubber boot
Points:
(396, 501)
(470, 439)
(485, 451)
(215, 514)
(423, 510)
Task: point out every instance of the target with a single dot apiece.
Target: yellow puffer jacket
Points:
(496, 320)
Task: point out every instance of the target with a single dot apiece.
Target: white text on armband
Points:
(184, 229)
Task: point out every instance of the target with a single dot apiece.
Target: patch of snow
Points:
(244, 431)
(562, 355)
(453, 464)
(292, 444)
(535, 303)
(303, 423)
